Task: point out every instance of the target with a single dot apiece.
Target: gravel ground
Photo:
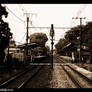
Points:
(48, 78)
(60, 79)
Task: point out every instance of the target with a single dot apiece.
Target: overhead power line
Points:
(14, 14)
(49, 27)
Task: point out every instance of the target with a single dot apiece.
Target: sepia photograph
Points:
(45, 46)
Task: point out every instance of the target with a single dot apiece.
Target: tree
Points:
(39, 38)
(5, 33)
(78, 35)
(88, 33)
(62, 42)
(48, 50)
(72, 36)
(88, 37)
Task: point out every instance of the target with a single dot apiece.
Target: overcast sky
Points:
(46, 14)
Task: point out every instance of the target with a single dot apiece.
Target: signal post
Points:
(52, 43)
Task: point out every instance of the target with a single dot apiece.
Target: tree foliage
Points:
(73, 36)
(48, 50)
(88, 34)
(84, 31)
(62, 42)
(39, 38)
(5, 33)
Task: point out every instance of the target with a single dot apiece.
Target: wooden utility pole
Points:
(27, 40)
(8, 50)
(27, 36)
(80, 18)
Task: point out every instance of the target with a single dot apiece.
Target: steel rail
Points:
(80, 74)
(15, 77)
(70, 76)
(23, 85)
(77, 84)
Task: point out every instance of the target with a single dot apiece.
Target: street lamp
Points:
(52, 43)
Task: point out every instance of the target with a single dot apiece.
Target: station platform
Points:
(85, 69)
(82, 70)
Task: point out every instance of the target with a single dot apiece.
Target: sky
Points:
(43, 15)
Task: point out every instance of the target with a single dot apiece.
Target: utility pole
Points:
(27, 15)
(80, 18)
(8, 50)
(27, 40)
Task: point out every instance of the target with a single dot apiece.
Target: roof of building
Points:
(32, 45)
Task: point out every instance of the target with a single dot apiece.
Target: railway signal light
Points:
(52, 31)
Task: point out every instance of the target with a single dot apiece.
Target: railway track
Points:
(76, 83)
(59, 60)
(21, 80)
(63, 60)
(77, 78)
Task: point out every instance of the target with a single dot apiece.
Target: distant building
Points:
(12, 47)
